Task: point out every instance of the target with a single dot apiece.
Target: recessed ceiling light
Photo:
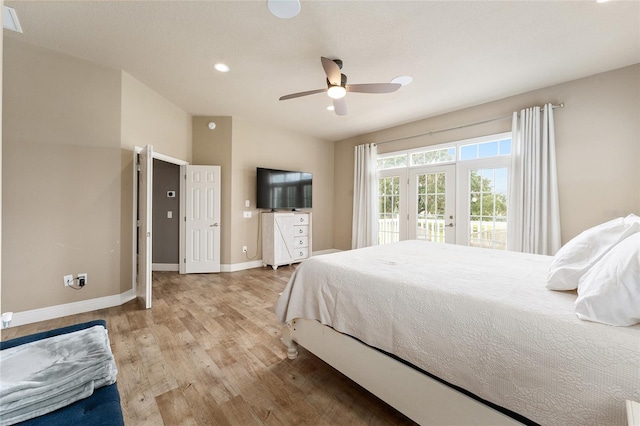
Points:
(402, 79)
(212, 125)
(601, 1)
(284, 9)
(222, 67)
(10, 19)
(330, 108)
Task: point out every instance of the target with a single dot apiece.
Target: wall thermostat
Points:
(171, 194)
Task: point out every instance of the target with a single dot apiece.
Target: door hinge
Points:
(185, 218)
(184, 260)
(138, 223)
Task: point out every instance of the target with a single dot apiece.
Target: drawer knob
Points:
(300, 253)
(300, 242)
(300, 231)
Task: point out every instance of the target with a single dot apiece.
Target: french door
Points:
(463, 204)
(432, 204)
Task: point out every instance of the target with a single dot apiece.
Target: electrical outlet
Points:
(68, 280)
(246, 214)
(244, 249)
(82, 280)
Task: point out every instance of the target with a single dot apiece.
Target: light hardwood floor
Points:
(208, 353)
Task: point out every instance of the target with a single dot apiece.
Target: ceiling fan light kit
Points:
(336, 92)
(337, 86)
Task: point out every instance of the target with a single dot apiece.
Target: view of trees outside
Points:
(488, 208)
(389, 209)
(431, 207)
(487, 192)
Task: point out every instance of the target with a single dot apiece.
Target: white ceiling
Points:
(459, 53)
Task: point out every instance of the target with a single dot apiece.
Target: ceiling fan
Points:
(337, 86)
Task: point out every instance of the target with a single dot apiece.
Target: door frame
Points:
(155, 156)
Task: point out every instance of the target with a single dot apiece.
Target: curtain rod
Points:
(560, 105)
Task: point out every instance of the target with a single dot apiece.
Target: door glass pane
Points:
(389, 209)
(488, 208)
(431, 207)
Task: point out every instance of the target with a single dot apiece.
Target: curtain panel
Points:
(364, 230)
(533, 213)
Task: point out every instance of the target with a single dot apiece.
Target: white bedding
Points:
(479, 319)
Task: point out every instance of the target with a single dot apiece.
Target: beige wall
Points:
(258, 145)
(146, 119)
(150, 119)
(68, 173)
(597, 143)
(1, 55)
(239, 146)
(61, 177)
(213, 148)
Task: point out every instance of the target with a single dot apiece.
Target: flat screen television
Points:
(283, 189)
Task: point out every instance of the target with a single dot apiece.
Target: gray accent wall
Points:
(166, 231)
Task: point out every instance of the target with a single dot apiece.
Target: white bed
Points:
(478, 319)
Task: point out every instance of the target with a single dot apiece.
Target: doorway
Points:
(198, 216)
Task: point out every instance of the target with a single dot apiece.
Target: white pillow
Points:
(609, 292)
(578, 255)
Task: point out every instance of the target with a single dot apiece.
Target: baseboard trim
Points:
(234, 267)
(172, 267)
(58, 311)
(327, 251)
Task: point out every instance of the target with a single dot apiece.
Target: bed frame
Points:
(413, 393)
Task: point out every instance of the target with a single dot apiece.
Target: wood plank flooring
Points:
(208, 353)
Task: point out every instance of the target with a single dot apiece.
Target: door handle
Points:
(451, 225)
(215, 224)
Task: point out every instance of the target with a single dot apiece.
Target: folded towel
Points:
(39, 377)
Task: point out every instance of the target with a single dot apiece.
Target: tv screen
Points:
(283, 189)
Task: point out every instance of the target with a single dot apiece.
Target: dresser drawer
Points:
(301, 219)
(301, 242)
(301, 253)
(300, 231)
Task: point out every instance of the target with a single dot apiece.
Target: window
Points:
(454, 193)
(393, 162)
(389, 209)
(488, 208)
(435, 156)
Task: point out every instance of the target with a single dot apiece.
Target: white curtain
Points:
(533, 213)
(364, 231)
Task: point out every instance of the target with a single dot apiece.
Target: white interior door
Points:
(202, 219)
(432, 204)
(143, 288)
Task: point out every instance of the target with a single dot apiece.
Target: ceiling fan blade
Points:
(340, 106)
(332, 70)
(374, 87)
(299, 94)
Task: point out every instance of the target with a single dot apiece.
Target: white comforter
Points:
(477, 318)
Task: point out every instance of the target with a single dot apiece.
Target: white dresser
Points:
(286, 238)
